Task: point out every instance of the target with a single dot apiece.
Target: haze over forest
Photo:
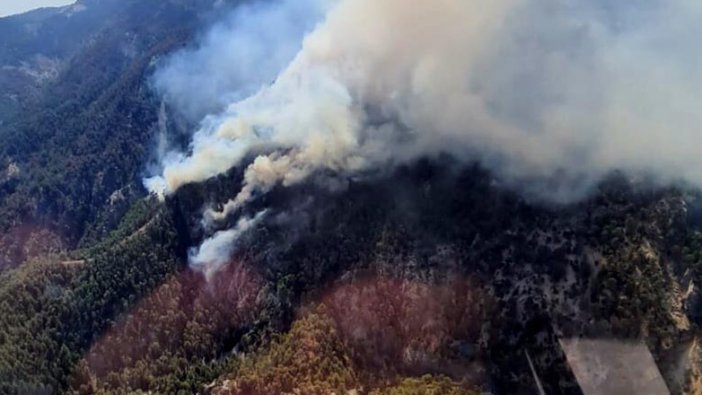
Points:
(370, 197)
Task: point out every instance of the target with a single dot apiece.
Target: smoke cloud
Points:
(549, 94)
(216, 251)
(237, 56)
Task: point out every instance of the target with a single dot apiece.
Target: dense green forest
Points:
(381, 298)
(73, 156)
(431, 279)
(55, 307)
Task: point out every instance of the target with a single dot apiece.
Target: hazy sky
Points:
(9, 7)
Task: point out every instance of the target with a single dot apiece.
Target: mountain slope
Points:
(432, 277)
(73, 151)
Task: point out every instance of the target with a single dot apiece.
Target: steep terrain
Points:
(430, 278)
(463, 264)
(80, 131)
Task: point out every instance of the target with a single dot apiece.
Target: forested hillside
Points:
(73, 152)
(432, 277)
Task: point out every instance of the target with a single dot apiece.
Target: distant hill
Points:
(77, 115)
(37, 44)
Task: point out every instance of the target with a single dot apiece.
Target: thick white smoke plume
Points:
(549, 94)
(215, 251)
